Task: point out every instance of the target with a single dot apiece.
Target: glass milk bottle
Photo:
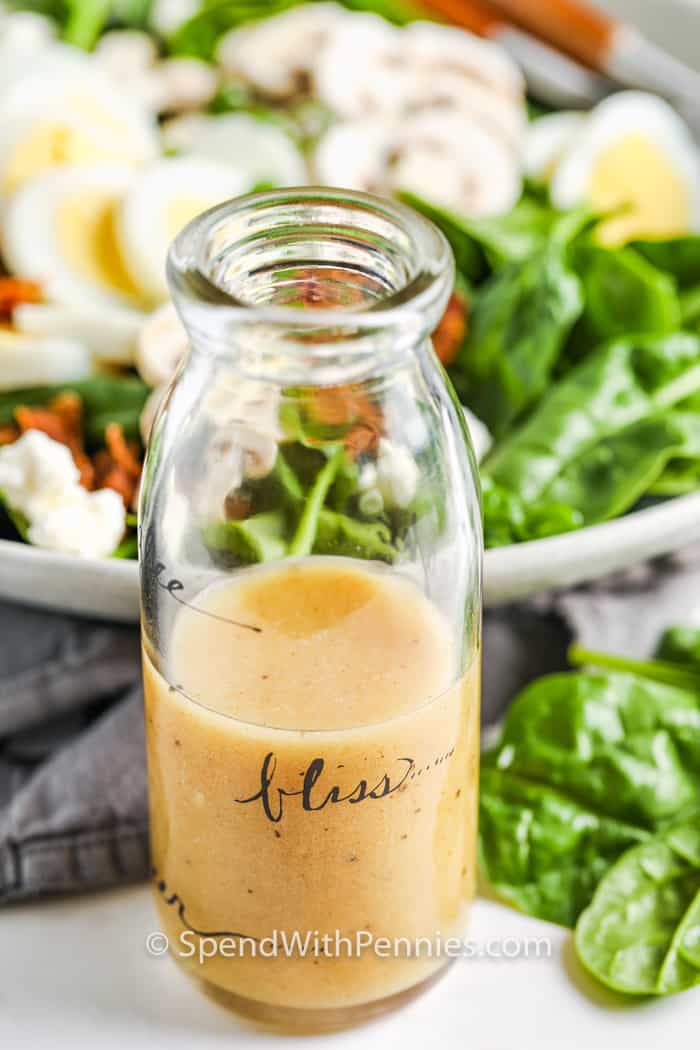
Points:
(311, 549)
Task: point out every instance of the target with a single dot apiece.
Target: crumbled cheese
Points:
(40, 480)
(35, 471)
(397, 474)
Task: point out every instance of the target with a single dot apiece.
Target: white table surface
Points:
(75, 973)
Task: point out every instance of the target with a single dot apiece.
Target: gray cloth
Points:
(73, 808)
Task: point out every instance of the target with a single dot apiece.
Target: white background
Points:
(76, 974)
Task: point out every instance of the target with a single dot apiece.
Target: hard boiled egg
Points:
(547, 139)
(59, 230)
(27, 360)
(259, 147)
(158, 203)
(111, 335)
(64, 110)
(636, 155)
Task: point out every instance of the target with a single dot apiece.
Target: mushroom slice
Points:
(373, 69)
(446, 157)
(454, 161)
(276, 54)
(448, 48)
(162, 343)
(356, 154)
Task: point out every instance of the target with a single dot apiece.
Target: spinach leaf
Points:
(623, 383)
(199, 36)
(508, 519)
(82, 21)
(678, 478)
(690, 307)
(482, 244)
(128, 548)
(641, 932)
(106, 399)
(519, 321)
(342, 536)
(543, 851)
(622, 467)
(16, 519)
(261, 537)
(624, 745)
(587, 765)
(681, 645)
(671, 665)
(305, 533)
(624, 294)
(678, 256)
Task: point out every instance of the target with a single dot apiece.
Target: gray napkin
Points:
(73, 811)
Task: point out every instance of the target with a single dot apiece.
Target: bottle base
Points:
(291, 1020)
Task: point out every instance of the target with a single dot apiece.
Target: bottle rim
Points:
(398, 241)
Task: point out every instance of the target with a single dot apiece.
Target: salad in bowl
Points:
(573, 334)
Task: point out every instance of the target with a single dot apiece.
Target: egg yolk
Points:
(635, 175)
(181, 210)
(85, 230)
(46, 146)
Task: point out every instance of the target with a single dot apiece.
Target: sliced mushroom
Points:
(373, 69)
(276, 54)
(124, 52)
(445, 156)
(186, 84)
(162, 343)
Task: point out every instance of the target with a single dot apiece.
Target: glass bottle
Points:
(310, 546)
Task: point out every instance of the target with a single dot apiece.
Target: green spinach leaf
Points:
(678, 256)
(106, 399)
(587, 765)
(624, 294)
(543, 851)
(15, 518)
(624, 383)
(641, 932)
(681, 645)
(520, 319)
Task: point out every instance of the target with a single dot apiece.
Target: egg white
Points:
(159, 202)
(63, 110)
(547, 139)
(58, 230)
(633, 117)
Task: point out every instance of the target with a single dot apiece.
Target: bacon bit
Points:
(13, 292)
(237, 505)
(348, 405)
(8, 434)
(449, 334)
(62, 421)
(327, 287)
(117, 466)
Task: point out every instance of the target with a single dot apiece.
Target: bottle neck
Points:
(310, 286)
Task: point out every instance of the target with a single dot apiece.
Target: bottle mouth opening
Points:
(321, 264)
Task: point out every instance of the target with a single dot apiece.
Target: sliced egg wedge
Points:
(59, 230)
(547, 140)
(64, 111)
(158, 203)
(111, 335)
(636, 155)
(29, 360)
(257, 146)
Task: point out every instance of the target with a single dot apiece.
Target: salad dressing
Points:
(312, 750)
